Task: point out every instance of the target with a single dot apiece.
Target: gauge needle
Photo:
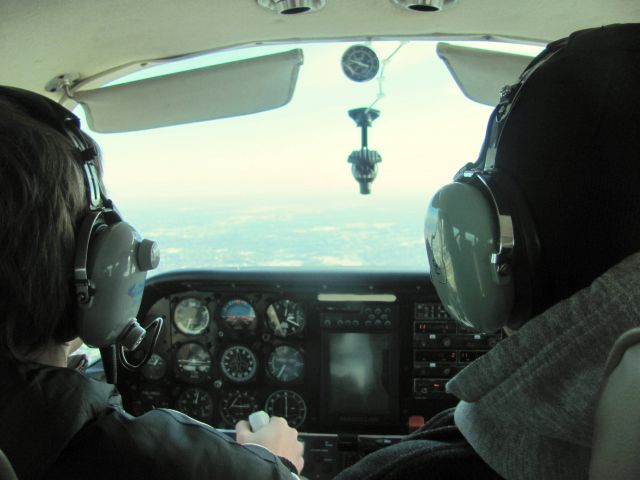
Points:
(358, 62)
(197, 395)
(292, 322)
(281, 371)
(346, 66)
(286, 405)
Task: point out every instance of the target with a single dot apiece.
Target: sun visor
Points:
(219, 91)
(481, 74)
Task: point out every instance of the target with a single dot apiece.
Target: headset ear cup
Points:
(116, 284)
(461, 235)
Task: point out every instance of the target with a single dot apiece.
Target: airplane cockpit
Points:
(353, 360)
(282, 154)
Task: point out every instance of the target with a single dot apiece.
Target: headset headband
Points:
(63, 121)
(508, 98)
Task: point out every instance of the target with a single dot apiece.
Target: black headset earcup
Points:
(116, 283)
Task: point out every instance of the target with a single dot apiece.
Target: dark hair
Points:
(42, 200)
(572, 145)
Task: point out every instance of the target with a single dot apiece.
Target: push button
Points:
(415, 422)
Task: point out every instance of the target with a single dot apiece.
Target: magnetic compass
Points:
(360, 63)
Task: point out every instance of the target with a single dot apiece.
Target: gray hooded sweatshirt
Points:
(527, 406)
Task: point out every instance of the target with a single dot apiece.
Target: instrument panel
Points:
(332, 352)
(223, 356)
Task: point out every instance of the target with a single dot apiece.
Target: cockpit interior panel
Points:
(350, 359)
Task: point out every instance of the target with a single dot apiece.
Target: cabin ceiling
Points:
(42, 39)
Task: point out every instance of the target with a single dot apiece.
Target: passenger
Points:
(54, 421)
(570, 149)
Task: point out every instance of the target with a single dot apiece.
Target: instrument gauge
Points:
(191, 316)
(149, 398)
(196, 403)
(237, 405)
(239, 364)
(287, 404)
(285, 318)
(238, 315)
(360, 63)
(155, 368)
(193, 362)
(286, 364)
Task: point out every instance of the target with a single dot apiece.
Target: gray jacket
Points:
(528, 405)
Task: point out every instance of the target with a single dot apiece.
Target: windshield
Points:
(275, 189)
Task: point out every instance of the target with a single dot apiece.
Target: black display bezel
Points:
(361, 418)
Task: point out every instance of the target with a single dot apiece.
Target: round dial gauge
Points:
(155, 368)
(238, 315)
(239, 364)
(196, 403)
(287, 404)
(191, 316)
(286, 364)
(149, 398)
(193, 362)
(285, 318)
(360, 63)
(237, 405)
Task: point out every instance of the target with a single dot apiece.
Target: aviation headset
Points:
(111, 259)
(481, 239)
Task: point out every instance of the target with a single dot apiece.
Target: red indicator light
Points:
(421, 327)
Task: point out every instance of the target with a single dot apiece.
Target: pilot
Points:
(540, 236)
(69, 267)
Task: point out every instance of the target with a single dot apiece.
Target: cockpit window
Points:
(275, 189)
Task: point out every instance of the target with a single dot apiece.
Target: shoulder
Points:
(438, 450)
